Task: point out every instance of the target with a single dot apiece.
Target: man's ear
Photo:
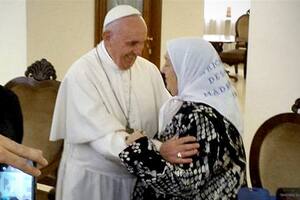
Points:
(106, 35)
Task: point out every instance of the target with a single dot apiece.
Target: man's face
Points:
(124, 40)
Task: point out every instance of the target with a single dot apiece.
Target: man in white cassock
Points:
(106, 95)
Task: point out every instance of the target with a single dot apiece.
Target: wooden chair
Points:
(275, 152)
(37, 95)
(239, 54)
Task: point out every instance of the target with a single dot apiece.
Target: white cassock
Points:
(88, 117)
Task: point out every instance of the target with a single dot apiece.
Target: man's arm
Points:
(110, 145)
(179, 150)
(187, 147)
(143, 160)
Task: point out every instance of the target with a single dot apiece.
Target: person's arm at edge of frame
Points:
(15, 154)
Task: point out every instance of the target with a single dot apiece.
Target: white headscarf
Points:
(201, 77)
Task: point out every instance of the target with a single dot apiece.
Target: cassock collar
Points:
(106, 57)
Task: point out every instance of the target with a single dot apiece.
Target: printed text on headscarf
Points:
(216, 73)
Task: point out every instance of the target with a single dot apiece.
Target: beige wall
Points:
(60, 31)
(273, 81)
(181, 18)
(12, 39)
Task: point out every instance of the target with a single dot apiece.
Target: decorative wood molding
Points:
(41, 70)
(296, 106)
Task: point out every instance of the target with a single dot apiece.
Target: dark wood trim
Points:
(258, 139)
(155, 31)
(22, 80)
(146, 11)
(100, 12)
(41, 70)
(45, 177)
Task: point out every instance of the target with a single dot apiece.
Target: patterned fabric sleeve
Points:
(142, 160)
(204, 176)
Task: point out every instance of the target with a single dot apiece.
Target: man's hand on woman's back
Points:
(179, 150)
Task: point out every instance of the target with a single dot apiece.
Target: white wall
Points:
(60, 31)
(12, 39)
(181, 18)
(273, 81)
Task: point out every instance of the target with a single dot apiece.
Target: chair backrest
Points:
(242, 29)
(41, 70)
(275, 153)
(37, 99)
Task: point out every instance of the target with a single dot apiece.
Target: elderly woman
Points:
(204, 105)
